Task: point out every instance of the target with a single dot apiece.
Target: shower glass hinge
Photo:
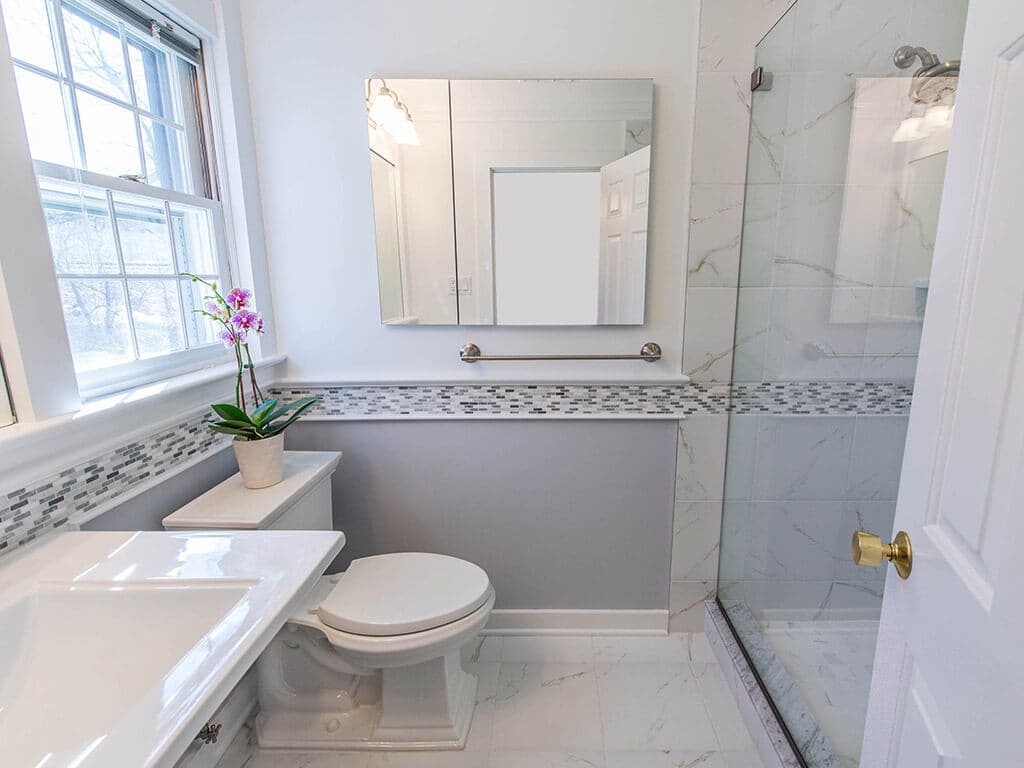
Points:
(760, 80)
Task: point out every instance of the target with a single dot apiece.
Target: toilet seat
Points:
(404, 593)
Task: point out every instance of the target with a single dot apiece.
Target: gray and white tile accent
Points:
(536, 401)
(75, 493)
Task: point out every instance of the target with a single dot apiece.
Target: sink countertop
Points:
(117, 647)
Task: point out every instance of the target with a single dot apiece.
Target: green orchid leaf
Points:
(303, 404)
(231, 412)
(246, 433)
(259, 416)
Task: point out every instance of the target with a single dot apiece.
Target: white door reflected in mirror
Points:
(524, 202)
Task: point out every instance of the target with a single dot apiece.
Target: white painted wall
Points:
(307, 63)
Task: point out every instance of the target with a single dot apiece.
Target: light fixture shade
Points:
(384, 108)
(403, 130)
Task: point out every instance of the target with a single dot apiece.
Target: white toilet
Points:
(371, 661)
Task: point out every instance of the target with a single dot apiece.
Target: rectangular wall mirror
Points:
(510, 202)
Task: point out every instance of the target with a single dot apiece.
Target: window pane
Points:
(111, 144)
(193, 240)
(200, 329)
(165, 161)
(43, 107)
(28, 32)
(150, 78)
(97, 59)
(81, 236)
(157, 316)
(97, 321)
(145, 243)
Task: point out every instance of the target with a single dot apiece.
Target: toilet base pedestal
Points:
(426, 706)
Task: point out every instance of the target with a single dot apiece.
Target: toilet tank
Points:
(300, 502)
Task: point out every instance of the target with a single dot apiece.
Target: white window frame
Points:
(6, 411)
(104, 381)
(101, 382)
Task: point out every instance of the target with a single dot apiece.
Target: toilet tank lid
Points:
(231, 505)
(404, 592)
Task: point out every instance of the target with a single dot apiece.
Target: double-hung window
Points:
(114, 104)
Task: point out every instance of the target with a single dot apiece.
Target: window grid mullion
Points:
(135, 101)
(73, 85)
(124, 273)
(66, 80)
(177, 285)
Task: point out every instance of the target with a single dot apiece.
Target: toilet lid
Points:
(404, 592)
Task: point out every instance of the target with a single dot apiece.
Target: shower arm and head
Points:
(931, 65)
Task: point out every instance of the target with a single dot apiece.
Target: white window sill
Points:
(29, 451)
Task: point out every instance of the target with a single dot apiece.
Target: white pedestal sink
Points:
(116, 647)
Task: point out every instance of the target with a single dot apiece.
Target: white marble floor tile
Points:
(725, 716)
(653, 706)
(664, 759)
(650, 701)
(547, 760)
(486, 648)
(479, 738)
(683, 759)
(546, 707)
(277, 759)
(570, 650)
(642, 650)
(440, 759)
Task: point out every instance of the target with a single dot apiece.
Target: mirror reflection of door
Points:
(625, 187)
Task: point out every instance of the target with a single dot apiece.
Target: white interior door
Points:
(948, 685)
(625, 188)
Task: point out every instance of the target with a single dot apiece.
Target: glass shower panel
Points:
(848, 139)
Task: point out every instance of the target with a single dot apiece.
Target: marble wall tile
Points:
(760, 230)
(686, 604)
(700, 459)
(876, 458)
(731, 28)
(818, 127)
(800, 324)
(802, 457)
(742, 455)
(753, 323)
(721, 127)
(695, 540)
(808, 236)
(709, 322)
(716, 212)
(851, 37)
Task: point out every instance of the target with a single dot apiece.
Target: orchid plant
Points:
(237, 319)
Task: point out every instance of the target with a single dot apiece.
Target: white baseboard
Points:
(555, 622)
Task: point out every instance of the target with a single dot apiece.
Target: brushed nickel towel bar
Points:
(649, 353)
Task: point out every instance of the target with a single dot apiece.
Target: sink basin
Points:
(137, 638)
(116, 648)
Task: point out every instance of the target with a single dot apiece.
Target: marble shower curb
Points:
(766, 731)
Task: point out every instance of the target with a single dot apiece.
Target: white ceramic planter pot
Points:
(261, 462)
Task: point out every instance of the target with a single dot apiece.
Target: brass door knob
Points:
(869, 550)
